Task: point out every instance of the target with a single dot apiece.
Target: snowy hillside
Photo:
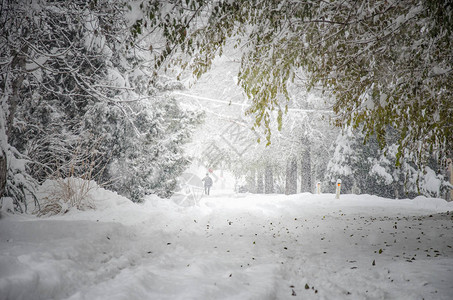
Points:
(232, 246)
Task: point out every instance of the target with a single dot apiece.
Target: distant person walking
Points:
(207, 183)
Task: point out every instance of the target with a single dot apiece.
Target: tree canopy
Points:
(389, 64)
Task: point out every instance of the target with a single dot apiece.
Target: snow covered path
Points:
(251, 247)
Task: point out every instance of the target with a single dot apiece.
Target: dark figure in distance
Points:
(207, 183)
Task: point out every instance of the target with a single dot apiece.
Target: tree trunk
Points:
(259, 184)
(291, 176)
(251, 181)
(449, 177)
(268, 180)
(3, 173)
(18, 67)
(18, 63)
(305, 173)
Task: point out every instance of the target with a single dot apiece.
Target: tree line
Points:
(82, 91)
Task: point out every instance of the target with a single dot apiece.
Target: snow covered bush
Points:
(70, 185)
(366, 168)
(63, 194)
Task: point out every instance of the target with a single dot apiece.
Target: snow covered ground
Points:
(232, 247)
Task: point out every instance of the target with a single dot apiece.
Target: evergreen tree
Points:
(76, 90)
(365, 168)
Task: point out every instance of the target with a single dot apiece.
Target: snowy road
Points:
(250, 247)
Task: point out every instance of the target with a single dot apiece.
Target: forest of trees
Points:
(80, 98)
(387, 64)
(83, 94)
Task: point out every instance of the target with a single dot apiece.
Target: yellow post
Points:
(338, 189)
(450, 170)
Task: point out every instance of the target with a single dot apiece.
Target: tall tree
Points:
(268, 180)
(260, 182)
(305, 171)
(291, 176)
